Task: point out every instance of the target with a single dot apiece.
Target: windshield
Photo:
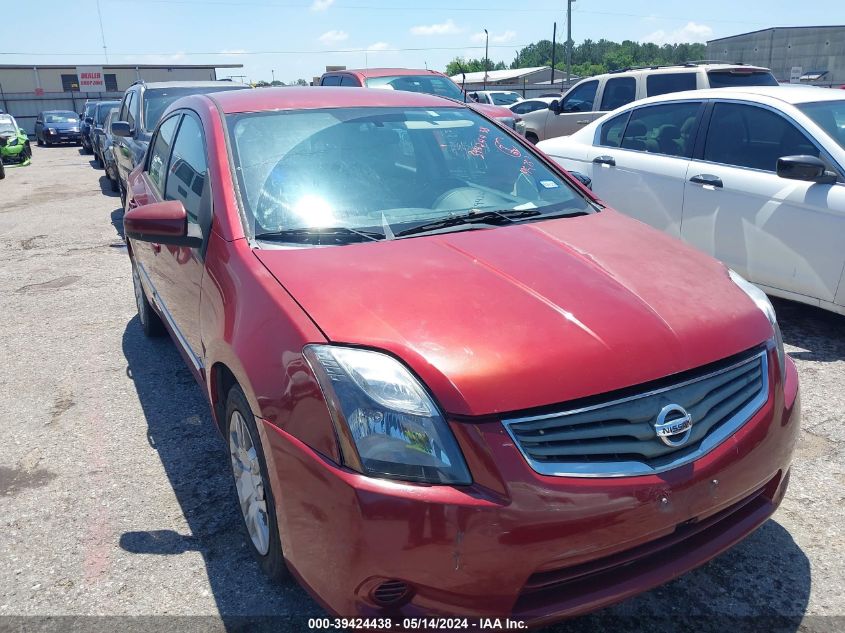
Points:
(103, 110)
(429, 84)
(505, 98)
(7, 125)
(829, 116)
(738, 77)
(384, 170)
(156, 100)
(61, 117)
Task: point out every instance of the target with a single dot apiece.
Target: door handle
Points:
(605, 160)
(582, 122)
(707, 180)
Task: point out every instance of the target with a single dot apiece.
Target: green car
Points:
(14, 144)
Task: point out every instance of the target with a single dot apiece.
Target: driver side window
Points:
(581, 97)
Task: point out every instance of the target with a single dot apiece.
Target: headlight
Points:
(508, 121)
(51, 130)
(520, 127)
(762, 301)
(12, 142)
(386, 416)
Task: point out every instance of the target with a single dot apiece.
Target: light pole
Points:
(486, 56)
(568, 41)
(273, 75)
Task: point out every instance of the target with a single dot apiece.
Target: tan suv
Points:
(590, 98)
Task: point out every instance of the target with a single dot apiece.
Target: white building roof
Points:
(499, 75)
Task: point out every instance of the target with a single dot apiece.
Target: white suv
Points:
(592, 97)
(753, 176)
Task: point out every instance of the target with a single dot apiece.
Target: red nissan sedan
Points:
(452, 382)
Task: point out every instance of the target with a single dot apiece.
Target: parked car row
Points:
(592, 97)
(422, 81)
(450, 378)
(117, 133)
(754, 176)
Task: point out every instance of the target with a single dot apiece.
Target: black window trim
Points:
(703, 104)
(704, 128)
(185, 113)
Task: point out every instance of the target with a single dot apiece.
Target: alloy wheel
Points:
(249, 483)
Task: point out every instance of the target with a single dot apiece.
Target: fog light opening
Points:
(392, 593)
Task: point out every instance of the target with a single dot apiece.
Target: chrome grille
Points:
(618, 438)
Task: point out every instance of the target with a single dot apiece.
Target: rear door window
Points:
(349, 81)
(744, 135)
(664, 83)
(330, 80)
(618, 91)
(667, 129)
(611, 131)
(740, 77)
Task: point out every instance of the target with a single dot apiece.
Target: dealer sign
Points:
(91, 78)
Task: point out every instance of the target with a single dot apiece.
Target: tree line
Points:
(589, 57)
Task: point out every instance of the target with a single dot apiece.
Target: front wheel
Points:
(150, 321)
(252, 486)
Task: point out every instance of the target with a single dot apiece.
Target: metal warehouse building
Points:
(805, 54)
(27, 90)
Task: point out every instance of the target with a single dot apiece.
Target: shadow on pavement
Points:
(180, 429)
(820, 333)
(760, 585)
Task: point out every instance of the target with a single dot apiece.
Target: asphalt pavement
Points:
(117, 510)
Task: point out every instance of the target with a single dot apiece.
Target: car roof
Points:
(788, 94)
(192, 84)
(55, 111)
(387, 72)
(315, 97)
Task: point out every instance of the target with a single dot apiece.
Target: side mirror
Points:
(89, 120)
(583, 179)
(806, 168)
(121, 128)
(554, 106)
(160, 222)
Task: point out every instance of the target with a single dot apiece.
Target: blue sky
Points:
(298, 38)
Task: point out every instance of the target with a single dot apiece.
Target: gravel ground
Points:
(115, 498)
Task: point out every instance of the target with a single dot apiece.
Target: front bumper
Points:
(12, 153)
(517, 543)
(62, 136)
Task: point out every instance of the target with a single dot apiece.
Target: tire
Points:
(46, 143)
(254, 492)
(122, 192)
(115, 186)
(97, 160)
(27, 152)
(39, 142)
(150, 321)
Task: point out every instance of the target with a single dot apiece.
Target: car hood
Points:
(492, 111)
(527, 315)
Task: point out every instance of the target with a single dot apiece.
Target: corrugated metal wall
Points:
(25, 106)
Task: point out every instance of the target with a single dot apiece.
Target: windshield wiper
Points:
(506, 216)
(334, 235)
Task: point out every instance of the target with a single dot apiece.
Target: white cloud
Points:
(333, 36)
(691, 32)
(378, 46)
(321, 5)
(495, 38)
(445, 28)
